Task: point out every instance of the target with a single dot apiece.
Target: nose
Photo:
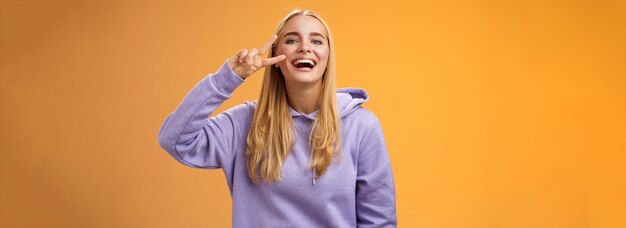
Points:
(304, 47)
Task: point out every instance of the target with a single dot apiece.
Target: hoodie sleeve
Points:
(375, 189)
(191, 137)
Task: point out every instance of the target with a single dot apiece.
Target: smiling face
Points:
(304, 41)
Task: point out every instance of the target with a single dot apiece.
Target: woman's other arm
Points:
(375, 189)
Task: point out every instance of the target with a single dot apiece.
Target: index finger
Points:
(268, 44)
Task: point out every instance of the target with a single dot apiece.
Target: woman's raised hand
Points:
(245, 62)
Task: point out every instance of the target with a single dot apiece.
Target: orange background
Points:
(496, 113)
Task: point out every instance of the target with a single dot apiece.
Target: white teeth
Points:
(298, 61)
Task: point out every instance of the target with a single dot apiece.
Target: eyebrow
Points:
(312, 34)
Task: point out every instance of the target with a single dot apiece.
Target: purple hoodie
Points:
(356, 191)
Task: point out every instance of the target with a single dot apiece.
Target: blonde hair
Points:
(270, 136)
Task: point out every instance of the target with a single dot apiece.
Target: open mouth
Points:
(304, 64)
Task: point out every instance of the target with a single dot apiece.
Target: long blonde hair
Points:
(270, 136)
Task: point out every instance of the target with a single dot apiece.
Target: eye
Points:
(317, 42)
(290, 41)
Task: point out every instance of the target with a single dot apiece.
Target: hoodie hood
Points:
(348, 100)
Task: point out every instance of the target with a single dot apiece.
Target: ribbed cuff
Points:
(226, 80)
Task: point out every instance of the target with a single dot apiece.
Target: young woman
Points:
(304, 154)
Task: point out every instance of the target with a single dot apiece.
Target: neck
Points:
(304, 98)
